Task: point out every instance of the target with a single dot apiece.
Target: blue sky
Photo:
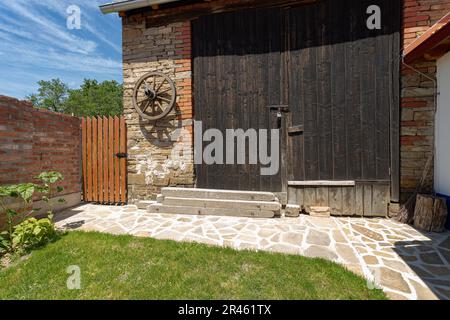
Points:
(35, 44)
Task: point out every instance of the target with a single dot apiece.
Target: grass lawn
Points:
(125, 267)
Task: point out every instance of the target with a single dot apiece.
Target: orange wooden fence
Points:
(104, 160)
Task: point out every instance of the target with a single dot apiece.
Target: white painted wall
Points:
(442, 159)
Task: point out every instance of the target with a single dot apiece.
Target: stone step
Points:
(218, 194)
(143, 204)
(292, 211)
(159, 198)
(219, 203)
(322, 212)
(170, 209)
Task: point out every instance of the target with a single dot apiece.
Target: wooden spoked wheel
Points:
(154, 96)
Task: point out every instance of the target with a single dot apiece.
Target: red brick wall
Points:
(33, 140)
(419, 15)
(418, 98)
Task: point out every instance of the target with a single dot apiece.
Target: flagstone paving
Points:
(406, 263)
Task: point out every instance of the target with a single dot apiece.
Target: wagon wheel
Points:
(154, 96)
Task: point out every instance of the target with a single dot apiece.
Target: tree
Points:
(91, 99)
(51, 95)
(96, 99)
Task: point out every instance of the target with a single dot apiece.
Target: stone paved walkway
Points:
(406, 263)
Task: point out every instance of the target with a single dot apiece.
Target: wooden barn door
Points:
(343, 91)
(104, 146)
(237, 76)
(338, 79)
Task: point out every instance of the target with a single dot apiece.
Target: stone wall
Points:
(418, 99)
(161, 152)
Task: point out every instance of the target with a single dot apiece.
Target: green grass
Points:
(125, 267)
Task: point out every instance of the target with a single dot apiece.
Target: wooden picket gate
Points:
(104, 148)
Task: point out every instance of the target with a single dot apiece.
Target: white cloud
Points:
(34, 41)
(46, 27)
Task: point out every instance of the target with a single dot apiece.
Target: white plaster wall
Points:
(442, 165)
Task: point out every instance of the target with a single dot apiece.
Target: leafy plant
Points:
(32, 233)
(15, 203)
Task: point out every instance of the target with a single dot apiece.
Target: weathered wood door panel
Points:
(342, 79)
(104, 147)
(338, 77)
(237, 75)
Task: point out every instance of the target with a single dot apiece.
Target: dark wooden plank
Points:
(394, 72)
(339, 25)
(324, 109)
(171, 15)
(353, 91)
(311, 150)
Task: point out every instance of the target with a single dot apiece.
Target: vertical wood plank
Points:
(111, 159)
(348, 200)
(322, 196)
(123, 161)
(380, 200)
(359, 200)
(105, 160)
(89, 158)
(116, 161)
(100, 159)
(309, 196)
(335, 200)
(367, 190)
(83, 156)
(292, 195)
(300, 197)
(94, 160)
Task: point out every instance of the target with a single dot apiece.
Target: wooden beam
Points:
(435, 35)
(178, 13)
(326, 183)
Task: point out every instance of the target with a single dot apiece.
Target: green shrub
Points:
(29, 232)
(32, 233)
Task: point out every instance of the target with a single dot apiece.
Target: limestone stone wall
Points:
(161, 152)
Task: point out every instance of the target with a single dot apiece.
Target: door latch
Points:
(121, 155)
